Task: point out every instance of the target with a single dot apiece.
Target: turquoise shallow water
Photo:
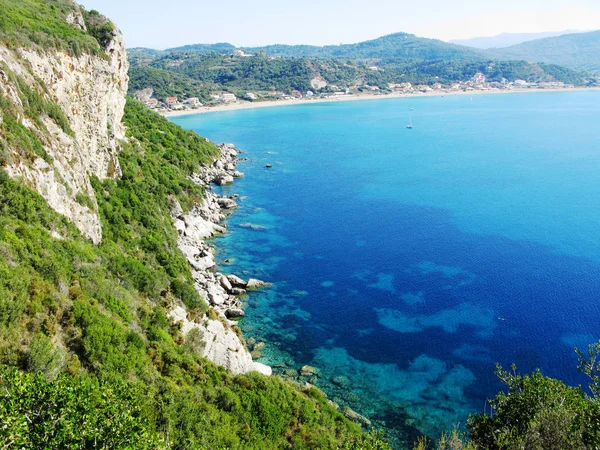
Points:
(407, 263)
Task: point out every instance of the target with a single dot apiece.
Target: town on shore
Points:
(477, 84)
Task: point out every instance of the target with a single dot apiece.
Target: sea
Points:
(407, 263)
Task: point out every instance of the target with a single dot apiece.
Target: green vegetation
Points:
(43, 24)
(71, 412)
(536, 412)
(398, 45)
(577, 51)
(91, 322)
(167, 83)
(98, 26)
(194, 75)
(222, 47)
(35, 105)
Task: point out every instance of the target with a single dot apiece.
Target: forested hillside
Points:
(193, 75)
(579, 51)
(89, 357)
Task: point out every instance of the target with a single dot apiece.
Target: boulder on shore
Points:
(226, 203)
(225, 283)
(234, 313)
(222, 180)
(237, 281)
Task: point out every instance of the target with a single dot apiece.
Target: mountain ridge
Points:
(508, 39)
(580, 51)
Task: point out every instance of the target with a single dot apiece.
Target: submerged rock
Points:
(341, 381)
(252, 226)
(354, 416)
(308, 371)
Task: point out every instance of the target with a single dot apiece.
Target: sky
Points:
(163, 24)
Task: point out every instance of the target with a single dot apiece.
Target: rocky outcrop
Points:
(220, 343)
(90, 90)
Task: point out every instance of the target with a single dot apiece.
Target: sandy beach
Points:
(356, 97)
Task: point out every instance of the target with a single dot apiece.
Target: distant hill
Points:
(579, 51)
(397, 46)
(221, 47)
(197, 70)
(400, 46)
(507, 39)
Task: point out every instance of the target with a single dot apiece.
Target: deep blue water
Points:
(411, 261)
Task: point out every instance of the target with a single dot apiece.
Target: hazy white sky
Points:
(169, 23)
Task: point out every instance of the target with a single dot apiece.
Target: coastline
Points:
(239, 105)
(221, 343)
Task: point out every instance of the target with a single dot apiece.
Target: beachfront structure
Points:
(227, 97)
(250, 96)
(192, 101)
(171, 101)
(151, 102)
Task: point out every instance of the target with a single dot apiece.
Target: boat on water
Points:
(409, 125)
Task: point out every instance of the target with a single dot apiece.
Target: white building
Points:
(227, 97)
(192, 101)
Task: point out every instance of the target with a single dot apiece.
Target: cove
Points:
(406, 263)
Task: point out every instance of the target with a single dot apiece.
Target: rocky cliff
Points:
(220, 343)
(90, 90)
(63, 112)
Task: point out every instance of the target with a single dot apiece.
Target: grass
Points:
(42, 24)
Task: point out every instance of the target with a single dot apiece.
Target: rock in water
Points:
(237, 281)
(308, 371)
(222, 180)
(354, 416)
(227, 203)
(254, 284)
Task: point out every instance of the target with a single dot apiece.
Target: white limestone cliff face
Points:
(220, 344)
(91, 92)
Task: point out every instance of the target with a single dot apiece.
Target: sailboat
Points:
(409, 124)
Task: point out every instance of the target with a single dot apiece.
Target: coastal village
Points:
(321, 90)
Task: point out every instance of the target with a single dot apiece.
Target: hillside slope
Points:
(506, 39)
(399, 46)
(91, 352)
(580, 51)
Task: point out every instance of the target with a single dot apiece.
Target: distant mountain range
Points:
(579, 51)
(398, 46)
(507, 39)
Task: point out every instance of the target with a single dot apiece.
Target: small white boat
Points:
(409, 124)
